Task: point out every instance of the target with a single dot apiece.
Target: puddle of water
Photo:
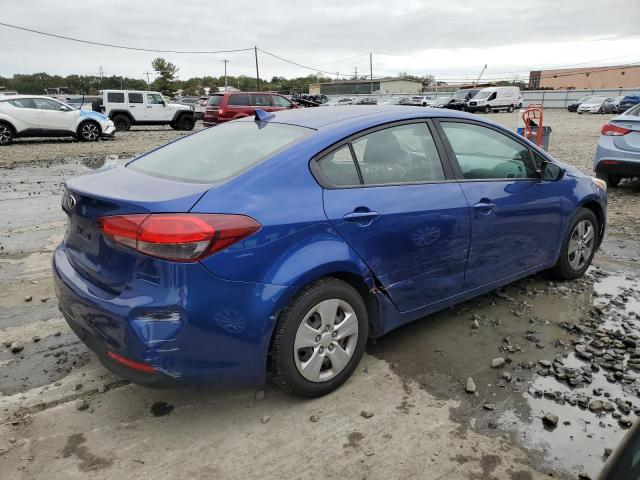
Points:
(525, 322)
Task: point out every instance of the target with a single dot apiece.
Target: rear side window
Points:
(136, 98)
(260, 100)
(339, 168)
(485, 154)
(214, 100)
(219, 153)
(115, 97)
(239, 100)
(22, 103)
(402, 154)
(281, 102)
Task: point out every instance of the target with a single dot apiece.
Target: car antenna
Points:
(262, 116)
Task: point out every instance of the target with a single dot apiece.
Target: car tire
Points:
(579, 246)
(510, 109)
(6, 134)
(611, 179)
(122, 123)
(487, 109)
(89, 131)
(186, 122)
(303, 339)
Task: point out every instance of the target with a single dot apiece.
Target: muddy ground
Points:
(569, 350)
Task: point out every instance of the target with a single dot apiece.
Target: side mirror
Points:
(551, 172)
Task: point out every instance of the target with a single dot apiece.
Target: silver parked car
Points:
(618, 152)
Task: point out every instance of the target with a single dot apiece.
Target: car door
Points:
(393, 200)
(516, 216)
(262, 101)
(156, 109)
(54, 116)
(24, 115)
(136, 105)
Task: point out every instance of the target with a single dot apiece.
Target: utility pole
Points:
(355, 73)
(225, 73)
(255, 49)
(147, 74)
(480, 76)
(371, 72)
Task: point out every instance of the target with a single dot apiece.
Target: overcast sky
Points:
(451, 39)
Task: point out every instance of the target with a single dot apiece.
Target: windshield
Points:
(595, 99)
(218, 153)
(483, 94)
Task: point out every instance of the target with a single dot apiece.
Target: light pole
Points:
(225, 73)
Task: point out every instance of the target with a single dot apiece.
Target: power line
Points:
(298, 64)
(122, 47)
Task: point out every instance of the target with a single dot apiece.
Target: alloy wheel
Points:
(326, 340)
(581, 244)
(5, 134)
(90, 131)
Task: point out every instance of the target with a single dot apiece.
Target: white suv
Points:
(129, 107)
(39, 116)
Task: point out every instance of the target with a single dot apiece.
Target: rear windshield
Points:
(215, 100)
(218, 153)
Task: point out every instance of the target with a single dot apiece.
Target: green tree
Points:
(166, 81)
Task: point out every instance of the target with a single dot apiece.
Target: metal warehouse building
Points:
(380, 85)
(617, 76)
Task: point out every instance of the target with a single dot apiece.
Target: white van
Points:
(493, 99)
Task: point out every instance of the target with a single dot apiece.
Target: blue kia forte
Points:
(280, 244)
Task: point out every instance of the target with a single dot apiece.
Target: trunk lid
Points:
(117, 191)
(630, 141)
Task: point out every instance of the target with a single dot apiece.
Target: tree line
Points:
(166, 81)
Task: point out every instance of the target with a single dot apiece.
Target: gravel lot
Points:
(569, 351)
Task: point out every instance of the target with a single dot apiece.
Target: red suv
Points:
(229, 106)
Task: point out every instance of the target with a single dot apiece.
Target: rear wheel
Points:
(89, 132)
(612, 180)
(579, 246)
(6, 134)
(186, 122)
(320, 338)
(122, 123)
(510, 109)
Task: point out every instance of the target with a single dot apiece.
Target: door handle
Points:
(361, 216)
(149, 106)
(484, 206)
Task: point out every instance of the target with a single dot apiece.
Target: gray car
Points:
(618, 152)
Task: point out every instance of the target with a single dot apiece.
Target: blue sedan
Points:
(279, 245)
(618, 152)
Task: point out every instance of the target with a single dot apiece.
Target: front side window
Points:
(484, 153)
(155, 99)
(339, 168)
(281, 102)
(401, 154)
(241, 99)
(218, 153)
(46, 104)
(115, 97)
(136, 98)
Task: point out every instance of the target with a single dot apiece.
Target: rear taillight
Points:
(221, 112)
(180, 237)
(613, 130)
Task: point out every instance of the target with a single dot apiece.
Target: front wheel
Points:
(122, 123)
(510, 109)
(89, 132)
(487, 109)
(579, 246)
(320, 338)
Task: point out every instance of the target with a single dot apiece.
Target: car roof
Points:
(318, 118)
(17, 97)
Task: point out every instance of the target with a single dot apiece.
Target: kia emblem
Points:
(71, 202)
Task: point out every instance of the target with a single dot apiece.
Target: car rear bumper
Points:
(191, 327)
(610, 159)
